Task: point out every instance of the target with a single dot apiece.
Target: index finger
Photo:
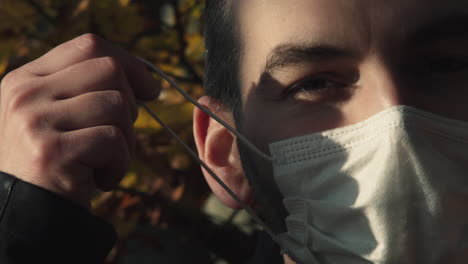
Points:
(88, 47)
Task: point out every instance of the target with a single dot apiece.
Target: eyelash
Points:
(320, 85)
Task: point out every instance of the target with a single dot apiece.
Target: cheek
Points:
(264, 123)
(260, 129)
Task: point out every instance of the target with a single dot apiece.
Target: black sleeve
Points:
(38, 226)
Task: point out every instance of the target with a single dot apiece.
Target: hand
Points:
(66, 119)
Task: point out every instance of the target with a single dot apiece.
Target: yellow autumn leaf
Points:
(82, 6)
(170, 114)
(124, 2)
(137, 171)
(129, 180)
(196, 47)
(116, 22)
(177, 71)
(3, 66)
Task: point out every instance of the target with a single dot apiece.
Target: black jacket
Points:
(38, 226)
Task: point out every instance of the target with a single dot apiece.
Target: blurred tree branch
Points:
(41, 11)
(180, 29)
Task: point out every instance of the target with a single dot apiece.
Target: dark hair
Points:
(223, 44)
(222, 57)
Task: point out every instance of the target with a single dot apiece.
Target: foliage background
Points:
(163, 211)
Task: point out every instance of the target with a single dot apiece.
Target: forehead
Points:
(361, 25)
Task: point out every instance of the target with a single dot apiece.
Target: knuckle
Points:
(66, 184)
(116, 100)
(113, 134)
(18, 95)
(110, 65)
(119, 106)
(34, 122)
(9, 80)
(115, 139)
(109, 70)
(31, 121)
(43, 151)
(90, 43)
(16, 81)
(70, 186)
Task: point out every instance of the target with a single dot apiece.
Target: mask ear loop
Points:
(207, 111)
(195, 156)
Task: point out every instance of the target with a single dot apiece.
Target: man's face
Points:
(313, 65)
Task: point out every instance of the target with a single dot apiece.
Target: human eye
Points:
(316, 88)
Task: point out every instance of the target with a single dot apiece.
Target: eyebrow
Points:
(455, 25)
(285, 55)
(291, 54)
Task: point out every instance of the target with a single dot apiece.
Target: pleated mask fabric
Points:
(390, 189)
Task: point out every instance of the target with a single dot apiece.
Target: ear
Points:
(218, 149)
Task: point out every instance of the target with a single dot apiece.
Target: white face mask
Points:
(391, 189)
